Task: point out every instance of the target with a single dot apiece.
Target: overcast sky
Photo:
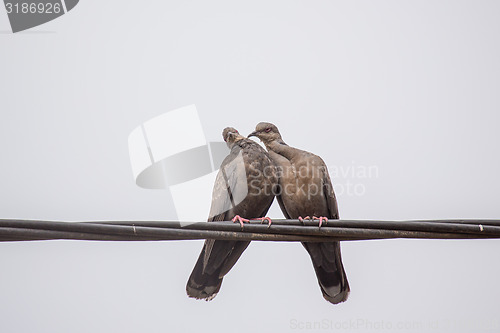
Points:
(400, 98)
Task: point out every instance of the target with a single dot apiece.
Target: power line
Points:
(280, 230)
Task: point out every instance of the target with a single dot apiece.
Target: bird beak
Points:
(252, 134)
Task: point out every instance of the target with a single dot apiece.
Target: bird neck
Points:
(280, 147)
(237, 142)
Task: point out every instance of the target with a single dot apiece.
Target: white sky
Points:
(409, 88)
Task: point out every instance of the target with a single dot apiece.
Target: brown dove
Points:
(244, 189)
(306, 191)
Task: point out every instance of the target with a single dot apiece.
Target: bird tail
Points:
(327, 263)
(214, 262)
(202, 285)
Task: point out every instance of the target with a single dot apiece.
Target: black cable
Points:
(280, 230)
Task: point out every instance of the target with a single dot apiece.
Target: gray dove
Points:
(244, 189)
(306, 191)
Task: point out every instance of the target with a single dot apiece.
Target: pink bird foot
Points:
(265, 219)
(239, 219)
(321, 219)
(305, 218)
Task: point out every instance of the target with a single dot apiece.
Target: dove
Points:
(306, 191)
(244, 189)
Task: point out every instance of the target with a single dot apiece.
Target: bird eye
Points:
(268, 129)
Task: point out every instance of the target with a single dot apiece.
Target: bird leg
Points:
(265, 219)
(305, 218)
(239, 219)
(321, 219)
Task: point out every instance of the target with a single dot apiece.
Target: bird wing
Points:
(329, 193)
(282, 164)
(282, 204)
(229, 185)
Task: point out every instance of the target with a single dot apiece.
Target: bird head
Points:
(231, 136)
(266, 132)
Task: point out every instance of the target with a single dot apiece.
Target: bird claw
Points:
(321, 219)
(314, 218)
(262, 219)
(305, 218)
(240, 220)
